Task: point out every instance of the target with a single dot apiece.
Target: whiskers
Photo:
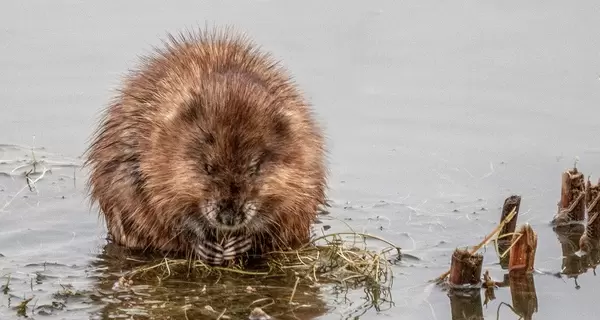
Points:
(209, 209)
(269, 228)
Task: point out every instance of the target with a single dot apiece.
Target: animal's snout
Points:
(229, 213)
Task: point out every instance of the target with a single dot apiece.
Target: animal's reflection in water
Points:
(187, 295)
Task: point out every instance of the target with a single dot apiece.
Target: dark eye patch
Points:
(281, 127)
(209, 138)
(193, 110)
(209, 168)
(257, 163)
(254, 168)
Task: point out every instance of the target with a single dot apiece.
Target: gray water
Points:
(435, 112)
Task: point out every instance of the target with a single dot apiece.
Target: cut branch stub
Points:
(522, 253)
(511, 202)
(591, 239)
(503, 241)
(592, 197)
(571, 206)
(465, 269)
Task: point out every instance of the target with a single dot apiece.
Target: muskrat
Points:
(209, 149)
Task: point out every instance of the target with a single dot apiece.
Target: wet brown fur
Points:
(169, 120)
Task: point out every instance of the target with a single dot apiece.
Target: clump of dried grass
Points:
(332, 258)
(342, 258)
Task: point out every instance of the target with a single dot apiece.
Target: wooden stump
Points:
(465, 285)
(511, 202)
(571, 207)
(503, 242)
(591, 239)
(522, 253)
(465, 270)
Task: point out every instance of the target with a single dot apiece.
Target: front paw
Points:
(216, 254)
(211, 253)
(236, 246)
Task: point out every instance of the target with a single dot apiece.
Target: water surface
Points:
(435, 112)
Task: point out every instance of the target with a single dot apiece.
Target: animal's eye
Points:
(209, 168)
(254, 167)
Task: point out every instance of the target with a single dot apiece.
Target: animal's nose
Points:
(226, 205)
(228, 213)
(227, 218)
(234, 188)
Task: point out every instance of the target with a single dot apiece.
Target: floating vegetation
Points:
(5, 288)
(22, 307)
(337, 257)
(282, 283)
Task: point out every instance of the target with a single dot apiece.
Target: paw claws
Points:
(211, 253)
(236, 246)
(216, 254)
